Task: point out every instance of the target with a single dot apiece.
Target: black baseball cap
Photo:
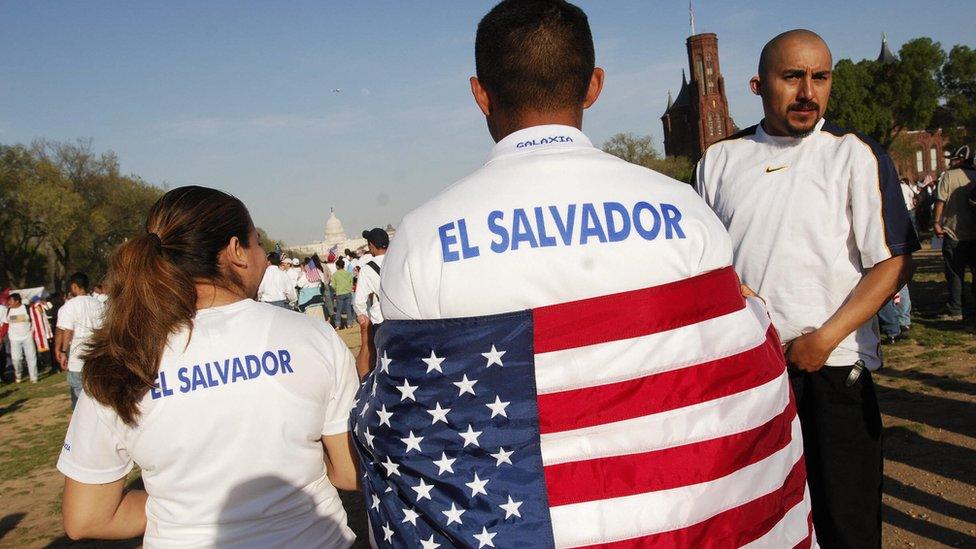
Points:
(377, 237)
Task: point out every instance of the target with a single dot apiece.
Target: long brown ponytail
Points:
(152, 290)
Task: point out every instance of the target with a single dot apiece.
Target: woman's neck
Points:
(210, 295)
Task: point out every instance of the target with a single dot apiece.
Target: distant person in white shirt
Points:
(821, 232)
(237, 412)
(367, 302)
(99, 293)
(276, 287)
(22, 348)
(77, 320)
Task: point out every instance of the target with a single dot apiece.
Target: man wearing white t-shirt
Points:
(276, 286)
(548, 222)
(78, 318)
(820, 231)
(366, 302)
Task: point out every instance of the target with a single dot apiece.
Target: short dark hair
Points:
(274, 258)
(535, 54)
(340, 263)
(81, 280)
(16, 297)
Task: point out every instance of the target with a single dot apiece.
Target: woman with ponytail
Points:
(236, 411)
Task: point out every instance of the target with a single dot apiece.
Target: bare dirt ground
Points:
(927, 392)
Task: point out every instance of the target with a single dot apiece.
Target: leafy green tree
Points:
(957, 116)
(640, 150)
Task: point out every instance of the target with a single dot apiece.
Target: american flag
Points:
(658, 417)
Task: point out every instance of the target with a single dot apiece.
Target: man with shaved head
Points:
(820, 230)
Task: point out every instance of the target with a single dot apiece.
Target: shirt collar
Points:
(786, 140)
(540, 138)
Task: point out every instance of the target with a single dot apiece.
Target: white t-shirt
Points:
(808, 216)
(276, 286)
(530, 229)
(229, 441)
(293, 274)
(19, 321)
(369, 283)
(82, 315)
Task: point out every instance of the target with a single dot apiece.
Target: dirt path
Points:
(927, 392)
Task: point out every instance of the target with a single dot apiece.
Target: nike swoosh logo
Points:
(771, 170)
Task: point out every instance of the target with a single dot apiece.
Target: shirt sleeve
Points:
(942, 190)
(882, 228)
(66, 316)
(344, 391)
(92, 453)
(363, 289)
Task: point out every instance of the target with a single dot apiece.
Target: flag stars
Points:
(511, 508)
(445, 465)
(407, 391)
(365, 409)
(433, 363)
(384, 416)
(412, 442)
(376, 503)
(423, 490)
(465, 385)
(494, 356)
(438, 413)
(470, 437)
(453, 514)
(369, 437)
(429, 543)
(388, 532)
(392, 469)
(477, 486)
(385, 363)
(485, 537)
(502, 457)
(498, 407)
(411, 516)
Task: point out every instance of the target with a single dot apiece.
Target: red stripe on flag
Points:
(735, 527)
(636, 313)
(695, 463)
(663, 391)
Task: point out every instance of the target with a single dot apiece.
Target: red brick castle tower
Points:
(700, 114)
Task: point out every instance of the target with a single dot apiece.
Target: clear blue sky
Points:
(238, 95)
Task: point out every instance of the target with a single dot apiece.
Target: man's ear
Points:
(596, 86)
(755, 84)
(480, 96)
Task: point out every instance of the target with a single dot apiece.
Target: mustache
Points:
(804, 106)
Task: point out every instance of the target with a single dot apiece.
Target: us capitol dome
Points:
(335, 237)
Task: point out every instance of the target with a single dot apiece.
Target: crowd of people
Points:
(631, 361)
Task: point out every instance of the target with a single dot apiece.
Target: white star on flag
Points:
(369, 438)
(502, 457)
(470, 437)
(407, 391)
(453, 514)
(433, 363)
(430, 543)
(494, 357)
(465, 385)
(376, 503)
(498, 407)
(388, 533)
(445, 464)
(440, 414)
(412, 442)
(423, 490)
(391, 468)
(477, 486)
(365, 409)
(409, 515)
(484, 538)
(385, 363)
(384, 416)
(511, 508)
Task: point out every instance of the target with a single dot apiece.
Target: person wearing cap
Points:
(366, 302)
(276, 287)
(954, 220)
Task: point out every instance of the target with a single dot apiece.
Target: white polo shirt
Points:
(369, 283)
(548, 219)
(808, 216)
(229, 441)
(82, 315)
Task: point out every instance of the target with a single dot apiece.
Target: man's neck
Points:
(505, 125)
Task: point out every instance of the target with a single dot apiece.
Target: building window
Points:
(700, 74)
(919, 162)
(934, 158)
(711, 125)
